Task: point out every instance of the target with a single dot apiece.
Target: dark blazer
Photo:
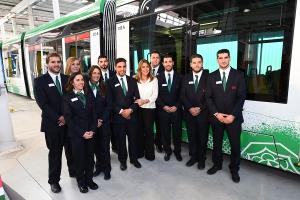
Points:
(119, 100)
(191, 98)
(160, 70)
(111, 74)
(166, 98)
(49, 100)
(230, 101)
(102, 104)
(79, 118)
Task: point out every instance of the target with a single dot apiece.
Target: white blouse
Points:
(149, 90)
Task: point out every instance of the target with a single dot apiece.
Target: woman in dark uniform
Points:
(81, 120)
(98, 90)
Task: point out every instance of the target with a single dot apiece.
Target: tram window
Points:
(258, 35)
(12, 61)
(79, 46)
(35, 60)
(163, 32)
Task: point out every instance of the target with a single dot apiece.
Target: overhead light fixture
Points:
(84, 1)
(246, 10)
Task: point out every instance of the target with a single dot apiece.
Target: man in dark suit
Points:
(195, 110)
(156, 70)
(168, 102)
(48, 91)
(226, 93)
(123, 92)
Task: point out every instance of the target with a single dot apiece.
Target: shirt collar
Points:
(198, 73)
(226, 70)
(53, 76)
(119, 77)
(170, 72)
(76, 92)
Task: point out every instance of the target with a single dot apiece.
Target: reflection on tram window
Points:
(162, 32)
(258, 36)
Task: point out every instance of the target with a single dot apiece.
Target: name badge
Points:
(218, 82)
(74, 99)
(118, 84)
(191, 82)
(51, 85)
(164, 85)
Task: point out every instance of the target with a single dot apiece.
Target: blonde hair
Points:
(139, 70)
(70, 61)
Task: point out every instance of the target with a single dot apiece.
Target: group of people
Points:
(83, 113)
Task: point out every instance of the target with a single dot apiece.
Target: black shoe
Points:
(83, 188)
(178, 156)
(97, 172)
(107, 176)
(167, 156)
(123, 166)
(235, 177)
(136, 163)
(213, 170)
(159, 148)
(150, 158)
(55, 187)
(191, 162)
(92, 185)
(201, 165)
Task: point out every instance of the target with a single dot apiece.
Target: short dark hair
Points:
(51, 55)
(196, 56)
(155, 51)
(102, 56)
(120, 60)
(223, 51)
(168, 56)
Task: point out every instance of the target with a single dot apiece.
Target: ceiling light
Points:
(246, 10)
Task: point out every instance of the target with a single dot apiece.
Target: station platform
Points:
(25, 172)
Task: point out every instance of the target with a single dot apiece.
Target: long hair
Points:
(101, 81)
(139, 70)
(70, 61)
(69, 86)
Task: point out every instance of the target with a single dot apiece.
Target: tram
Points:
(262, 36)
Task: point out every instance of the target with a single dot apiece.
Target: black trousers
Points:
(198, 136)
(102, 148)
(55, 142)
(83, 151)
(158, 137)
(170, 123)
(113, 137)
(121, 130)
(145, 135)
(234, 134)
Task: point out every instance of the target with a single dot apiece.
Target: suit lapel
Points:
(49, 81)
(229, 79)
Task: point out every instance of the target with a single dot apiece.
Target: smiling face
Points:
(168, 64)
(78, 82)
(223, 60)
(145, 69)
(75, 66)
(54, 65)
(95, 76)
(196, 64)
(120, 68)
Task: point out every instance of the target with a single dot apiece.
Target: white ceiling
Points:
(42, 13)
